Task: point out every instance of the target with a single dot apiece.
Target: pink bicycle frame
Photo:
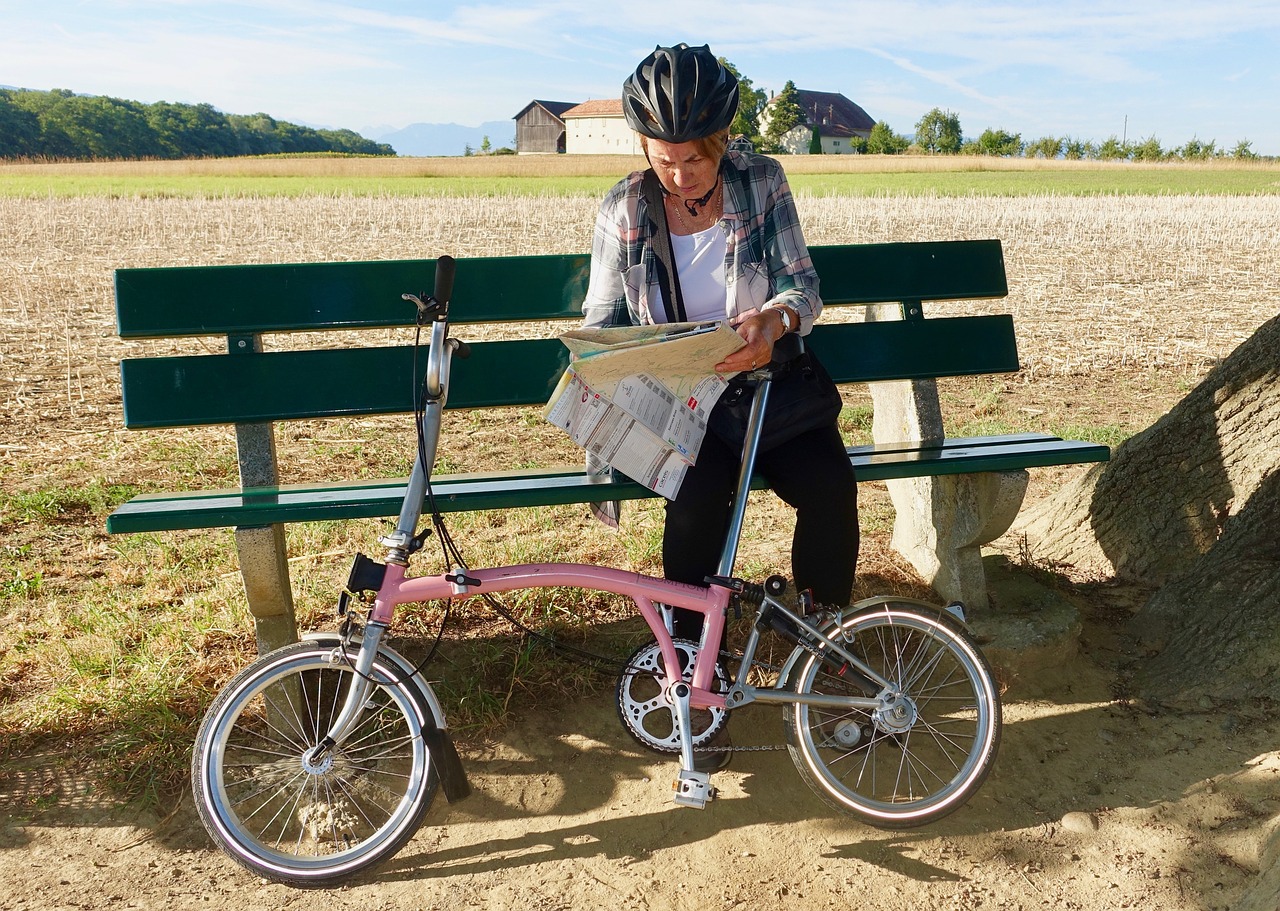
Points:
(644, 590)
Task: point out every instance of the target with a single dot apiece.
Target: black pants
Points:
(811, 473)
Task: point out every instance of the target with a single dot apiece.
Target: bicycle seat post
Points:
(755, 424)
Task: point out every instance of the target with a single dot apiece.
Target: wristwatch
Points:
(784, 313)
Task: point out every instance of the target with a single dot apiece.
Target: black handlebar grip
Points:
(444, 279)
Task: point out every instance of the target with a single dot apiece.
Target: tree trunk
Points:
(1191, 505)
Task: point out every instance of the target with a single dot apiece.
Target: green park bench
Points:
(951, 495)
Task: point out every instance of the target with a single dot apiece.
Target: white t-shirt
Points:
(700, 265)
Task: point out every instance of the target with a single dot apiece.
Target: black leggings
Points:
(811, 473)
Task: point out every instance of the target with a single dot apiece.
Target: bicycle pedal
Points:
(693, 789)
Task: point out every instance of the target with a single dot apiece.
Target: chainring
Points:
(645, 709)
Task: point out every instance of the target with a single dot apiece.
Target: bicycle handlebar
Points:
(445, 267)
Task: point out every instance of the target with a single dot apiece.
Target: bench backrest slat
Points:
(236, 300)
(933, 270)
(251, 385)
(287, 385)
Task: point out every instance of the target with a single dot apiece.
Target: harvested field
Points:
(1124, 283)
(1121, 304)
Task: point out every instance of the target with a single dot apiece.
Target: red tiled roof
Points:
(604, 107)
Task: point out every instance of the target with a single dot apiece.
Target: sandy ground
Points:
(1095, 803)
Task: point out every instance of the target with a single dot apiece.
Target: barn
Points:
(540, 127)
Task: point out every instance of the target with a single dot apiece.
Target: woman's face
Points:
(682, 169)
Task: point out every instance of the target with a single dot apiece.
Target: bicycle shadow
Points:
(592, 794)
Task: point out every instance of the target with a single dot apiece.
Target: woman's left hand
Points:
(759, 331)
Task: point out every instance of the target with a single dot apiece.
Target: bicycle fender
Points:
(403, 666)
(448, 764)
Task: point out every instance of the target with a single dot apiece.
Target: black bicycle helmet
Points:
(680, 93)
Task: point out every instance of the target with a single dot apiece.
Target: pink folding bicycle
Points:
(320, 759)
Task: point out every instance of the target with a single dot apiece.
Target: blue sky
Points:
(1172, 69)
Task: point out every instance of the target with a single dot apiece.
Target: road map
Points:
(638, 397)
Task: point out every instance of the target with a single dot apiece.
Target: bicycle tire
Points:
(921, 762)
(306, 823)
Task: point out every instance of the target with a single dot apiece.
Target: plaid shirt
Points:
(766, 258)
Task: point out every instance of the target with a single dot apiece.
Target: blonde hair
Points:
(712, 146)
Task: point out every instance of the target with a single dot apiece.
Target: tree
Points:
(815, 142)
(1078, 149)
(883, 141)
(939, 131)
(1189, 506)
(751, 102)
(1112, 149)
(1148, 150)
(1195, 150)
(1047, 147)
(998, 142)
(784, 115)
(19, 129)
(1244, 151)
(485, 146)
(67, 125)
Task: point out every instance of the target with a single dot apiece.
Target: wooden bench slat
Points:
(245, 299)
(556, 486)
(229, 300)
(925, 270)
(288, 385)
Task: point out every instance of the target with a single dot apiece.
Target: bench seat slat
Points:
(556, 486)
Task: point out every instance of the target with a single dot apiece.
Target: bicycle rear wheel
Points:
(296, 818)
(918, 759)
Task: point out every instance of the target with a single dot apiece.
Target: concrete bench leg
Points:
(264, 566)
(942, 522)
(264, 560)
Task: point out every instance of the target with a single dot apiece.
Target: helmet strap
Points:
(692, 205)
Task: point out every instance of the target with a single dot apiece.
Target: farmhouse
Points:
(540, 127)
(839, 122)
(598, 128)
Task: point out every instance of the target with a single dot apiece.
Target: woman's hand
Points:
(759, 329)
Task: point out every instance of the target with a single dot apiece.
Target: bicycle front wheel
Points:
(292, 815)
(934, 739)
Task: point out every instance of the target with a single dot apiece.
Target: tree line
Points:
(939, 132)
(62, 125)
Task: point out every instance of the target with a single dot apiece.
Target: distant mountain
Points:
(446, 138)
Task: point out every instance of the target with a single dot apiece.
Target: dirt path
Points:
(1094, 804)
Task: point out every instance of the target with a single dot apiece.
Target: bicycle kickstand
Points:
(692, 788)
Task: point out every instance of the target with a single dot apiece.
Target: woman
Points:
(739, 255)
